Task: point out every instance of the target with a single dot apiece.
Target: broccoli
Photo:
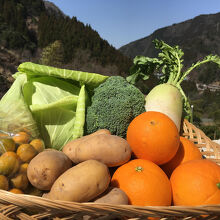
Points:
(114, 105)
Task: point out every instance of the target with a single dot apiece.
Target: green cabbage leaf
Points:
(48, 102)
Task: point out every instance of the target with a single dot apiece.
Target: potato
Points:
(46, 167)
(114, 196)
(68, 147)
(81, 183)
(111, 150)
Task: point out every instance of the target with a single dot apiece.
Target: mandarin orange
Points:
(196, 182)
(153, 136)
(144, 183)
(187, 151)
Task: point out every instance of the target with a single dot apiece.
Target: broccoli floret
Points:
(115, 104)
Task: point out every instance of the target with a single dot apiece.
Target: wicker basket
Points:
(26, 207)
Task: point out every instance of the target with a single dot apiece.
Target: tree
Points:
(53, 54)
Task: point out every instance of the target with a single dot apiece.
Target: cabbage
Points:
(48, 102)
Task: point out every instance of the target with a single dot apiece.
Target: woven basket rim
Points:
(30, 201)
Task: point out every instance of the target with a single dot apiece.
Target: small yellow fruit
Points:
(16, 191)
(23, 168)
(38, 144)
(20, 181)
(22, 137)
(6, 145)
(9, 163)
(26, 152)
(4, 182)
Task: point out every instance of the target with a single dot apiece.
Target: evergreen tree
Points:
(53, 54)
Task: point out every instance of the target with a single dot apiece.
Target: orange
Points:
(196, 182)
(153, 136)
(144, 183)
(187, 151)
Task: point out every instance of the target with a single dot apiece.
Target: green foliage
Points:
(34, 7)
(209, 73)
(115, 104)
(216, 116)
(14, 32)
(207, 105)
(12, 39)
(189, 87)
(213, 132)
(77, 36)
(53, 54)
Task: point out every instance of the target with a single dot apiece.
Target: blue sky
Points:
(123, 21)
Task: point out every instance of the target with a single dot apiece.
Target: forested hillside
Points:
(27, 27)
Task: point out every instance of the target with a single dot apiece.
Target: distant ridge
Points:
(197, 37)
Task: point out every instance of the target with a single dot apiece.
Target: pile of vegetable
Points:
(81, 172)
(106, 141)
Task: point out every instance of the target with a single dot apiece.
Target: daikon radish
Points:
(167, 97)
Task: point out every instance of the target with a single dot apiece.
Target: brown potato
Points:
(111, 150)
(114, 196)
(46, 167)
(68, 147)
(81, 183)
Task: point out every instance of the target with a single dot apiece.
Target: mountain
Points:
(53, 9)
(197, 37)
(28, 27)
